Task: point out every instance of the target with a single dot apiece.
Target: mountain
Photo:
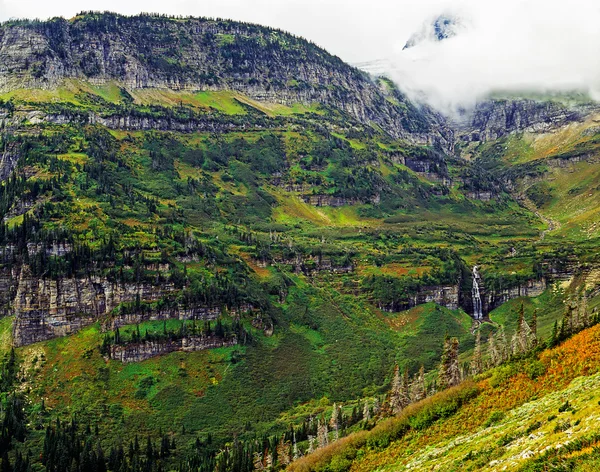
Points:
(439, 28)
(214, 232)
(197, 54)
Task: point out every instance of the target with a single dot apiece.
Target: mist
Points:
(517, 46)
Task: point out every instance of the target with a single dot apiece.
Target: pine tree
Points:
(444, 370)
(334, 421)
(493, 355)
(405, 391)
(534, 336)
(283, 452)
(376, 406)
(396, 404)
(521, 338)
(567, 324)
(322, 434)
(504, 346)
(311, 444)
(476, 361)
(454, 368)
(449, 374)
(367, 412)
(553, 339)
(584, 314)
(417, 388)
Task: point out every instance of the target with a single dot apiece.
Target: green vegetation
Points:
(320, 246)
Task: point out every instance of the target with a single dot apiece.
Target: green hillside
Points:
(208, 250)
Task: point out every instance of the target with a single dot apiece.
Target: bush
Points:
(535, 369)
(532, 427)
(495, 417)
(502, 374)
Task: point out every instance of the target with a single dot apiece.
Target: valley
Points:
(212, 249)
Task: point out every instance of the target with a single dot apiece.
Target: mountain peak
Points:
(438, 29)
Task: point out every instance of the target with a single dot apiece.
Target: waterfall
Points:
(477, 307)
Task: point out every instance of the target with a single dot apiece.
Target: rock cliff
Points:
(202, 54)
(495, 118)
(136, 352)
(47, 308)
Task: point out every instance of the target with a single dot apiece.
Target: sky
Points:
(539, 45)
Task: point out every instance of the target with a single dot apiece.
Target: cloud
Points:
(515, 45)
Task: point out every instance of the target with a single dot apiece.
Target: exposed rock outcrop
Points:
(493, 299)
(445, 295)
(492, 119)
(136, 352)
(203, 54)
(47, 308)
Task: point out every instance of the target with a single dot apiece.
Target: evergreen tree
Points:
(534, 335)
(444, 369)
(449, 374)
(396, 401)
(584, 314)
(454, 377)
(476, 361)
(322, 433)
(553, 339)
(334, 421)
(418, 390)
(493, 354)
(366, 412)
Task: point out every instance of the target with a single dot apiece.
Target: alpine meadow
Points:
(223, 248)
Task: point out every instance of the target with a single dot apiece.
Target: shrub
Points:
(532, 427)
(535, 369)
(495, 417)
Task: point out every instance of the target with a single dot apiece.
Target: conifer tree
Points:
(493, 354)
(376, 406)
(449, 374)
(477, 362)
(322, 433)
(311, 444)
(534, 336)
(334, 421)
(584, 314)
(503, 346)
(553, 339)
(367, 412)
(283, 452)
(417, 388)
(454, 368)
(396, 393)
(444, 370)
(405, 392)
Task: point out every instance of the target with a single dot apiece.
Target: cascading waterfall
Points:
(477, 307)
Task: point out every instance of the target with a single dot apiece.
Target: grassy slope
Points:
(83, 94)
(327, 343)
(523, 398)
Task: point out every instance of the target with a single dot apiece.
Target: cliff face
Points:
(202, 54)
(492, 119)
(46, 308)
(137, 352)
(493, 299)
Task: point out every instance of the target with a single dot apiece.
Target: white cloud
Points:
(516, 45)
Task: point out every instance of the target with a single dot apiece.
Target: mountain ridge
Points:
(201, 54)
